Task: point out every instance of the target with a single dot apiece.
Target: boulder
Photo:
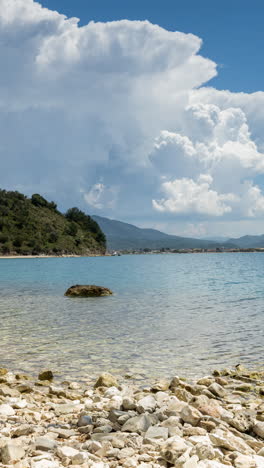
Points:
(45, 375)
(106, 380)
(89, 290)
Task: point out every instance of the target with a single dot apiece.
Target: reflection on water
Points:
(183, 314)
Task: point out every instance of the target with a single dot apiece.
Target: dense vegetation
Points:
(33, 226)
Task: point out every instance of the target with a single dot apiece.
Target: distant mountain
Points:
(247, 242)
(122, 236)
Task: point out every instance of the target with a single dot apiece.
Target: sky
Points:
(147, 112)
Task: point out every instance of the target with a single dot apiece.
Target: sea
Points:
(170, 314)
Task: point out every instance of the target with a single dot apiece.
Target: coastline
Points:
(114, 422)
(49, 256)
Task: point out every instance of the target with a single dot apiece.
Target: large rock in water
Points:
(89, 290)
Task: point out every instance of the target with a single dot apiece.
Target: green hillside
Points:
(33, 226)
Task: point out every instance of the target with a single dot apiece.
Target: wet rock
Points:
(89, 290)
(106, 380)
(3, 371)
(46, 375)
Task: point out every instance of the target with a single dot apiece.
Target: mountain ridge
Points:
(125, 236)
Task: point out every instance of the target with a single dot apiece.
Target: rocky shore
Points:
(215, 422)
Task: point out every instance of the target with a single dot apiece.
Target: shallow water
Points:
(170, 314)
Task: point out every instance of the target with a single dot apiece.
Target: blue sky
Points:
(158, 123)
(232, 30)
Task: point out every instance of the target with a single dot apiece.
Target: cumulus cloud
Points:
(111, 116)
(187, 196)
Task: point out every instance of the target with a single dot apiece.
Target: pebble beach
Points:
(114, 422)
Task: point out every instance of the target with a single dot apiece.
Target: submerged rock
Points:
(46, 375)
(90, 290)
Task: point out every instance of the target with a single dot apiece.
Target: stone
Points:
(182, 394)
(46, 375)
(217, 390)
(190, 415)
(18, 403)
(128, 404)
(207, 406)
(84, 420)
(157, 432)
(137, 424)
(244, 461)
(243, 387)
(67, 408)
(207, 381)
(204, 451)
(23, 430)
(66, 452)
(90, 290)
(161, 385)
(258, 429)
(226, 440)
(6, 410)
(3, 371)
(8, 391)
(175, 382)
(59, 391)
(79, 458)
(103, 429)
(114, 415)
(106, 380)
(146, 404)
(44, 464)
(173, 449)
(11, 453)
(126, 453)
(242, 421)
(45, 444)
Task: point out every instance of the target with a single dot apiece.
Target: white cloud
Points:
(119, 108)
(187, 196)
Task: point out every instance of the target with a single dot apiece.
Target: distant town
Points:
(147, 251)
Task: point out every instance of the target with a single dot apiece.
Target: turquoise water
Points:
(170, 314)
